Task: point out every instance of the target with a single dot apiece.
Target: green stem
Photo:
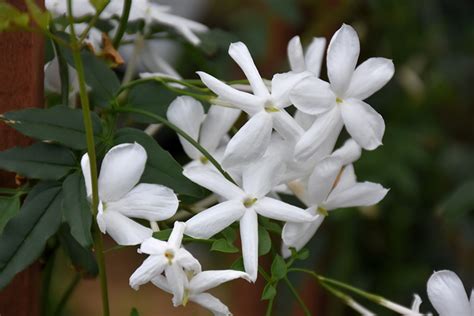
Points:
(91, 23)
(348, 300)
(63, 69)
(67, 294)
(123, 23)
(270, 307)
(182, 133)
(86, 113)
(297, 296)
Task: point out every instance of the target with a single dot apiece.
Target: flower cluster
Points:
(279, 149)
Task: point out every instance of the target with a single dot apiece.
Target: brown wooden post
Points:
(21, 85)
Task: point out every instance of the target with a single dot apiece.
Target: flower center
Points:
(322, 211)
(248, 202)
(270, 107)
(169, 254)
(203, 160)
(339, 100)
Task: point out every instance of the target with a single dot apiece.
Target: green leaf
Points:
(229, 234)
(238, 265)
(278, 268)
(26, 234)
(134, 312)
(81, 257)
(269, 225)
(99, 4)
(222, 245)
(150, 96)
(59, 124)
(11, 17)
(76, 209)
(161, 168)
(163, 234)
(39, 161)
(41, 17)
(9, 207)
(264, 241)
(269, 292)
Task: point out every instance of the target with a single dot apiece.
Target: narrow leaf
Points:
(278, 268)
(39, 161)
(264, 241)
(76, 209)
(25, 235)
(222, 245)
(59, 124)
(269, 292)
(9, 207)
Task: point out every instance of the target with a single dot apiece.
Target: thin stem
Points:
(63, 69)
(264, 274)
(123, 23)
(160, 119)
(67, 294)
(270, 307)
(86, 113)
(349, 301)
(91, 23)
(297, 296)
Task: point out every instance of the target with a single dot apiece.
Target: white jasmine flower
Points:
(207, 129)
(52, 79)
(168, 257)
(80, 8)
(340, 102)
(447, 295)
(329, 188)
(266, 107)
(312, 60)
(155, 13)
(195, 287)
(242, 205)
(121, 197)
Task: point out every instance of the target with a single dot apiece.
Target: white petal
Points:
(322, 179)
(213, 304)
(349, 152)
(188, 114)
(325, 129)
(260, 177)
(363, 123)
(213, 181)
(161, 282)
(304, 120)
(86, 172)
(312, 96)
(314, 55)
(295, 55)
(124, 230)
(174, 241)
(360, 194)
(121, 170)
(343, 52)
(186, 260)
(213, 220)
(297, 235)
(369, 77)
(249, 238)
(150, 268)
(287, 126)
(345, 180)
(153, 246)
(250, 142)
(212, 278)
(281, 211)
(232, 97)
(415, 305)
(218, 122)
(241, 55)
(152, 202)
(282, 85)
(447, 294)
(472, 301)
(177, 280)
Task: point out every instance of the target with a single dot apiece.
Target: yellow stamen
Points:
(339, 100)
(203, 160)
(322, 211)
(248, 202)
(170, 256)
